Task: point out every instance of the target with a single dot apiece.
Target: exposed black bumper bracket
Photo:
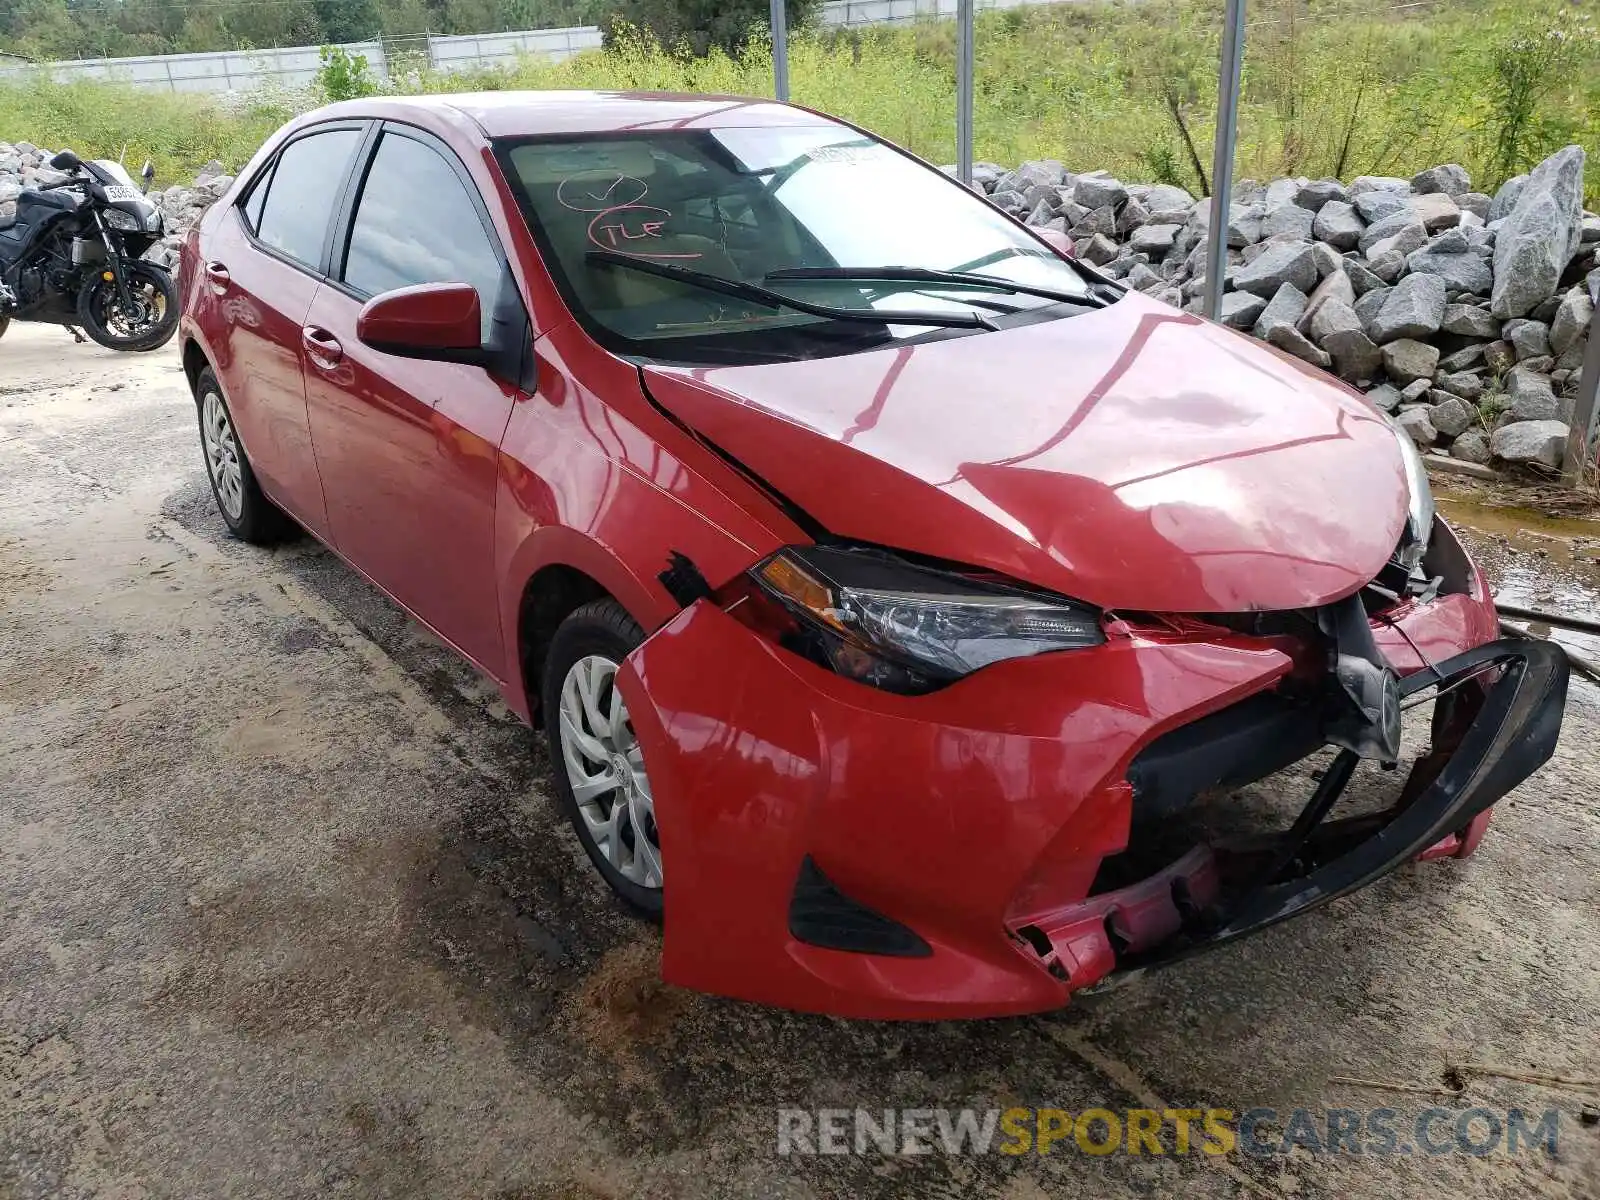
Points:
(1512, 736)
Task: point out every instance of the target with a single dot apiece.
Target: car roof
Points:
(513, 114)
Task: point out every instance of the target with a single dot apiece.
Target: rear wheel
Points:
(598, 762)
(146, 320)
(247, 512)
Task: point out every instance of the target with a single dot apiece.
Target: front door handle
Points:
(322, 347)
(219, 277)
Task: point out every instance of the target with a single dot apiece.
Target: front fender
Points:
(582, 485)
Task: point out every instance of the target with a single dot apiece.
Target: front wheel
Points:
(146, 321)
(598, 762)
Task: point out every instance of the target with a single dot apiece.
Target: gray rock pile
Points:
(183, 206)
(25, 165)
(1463, 314)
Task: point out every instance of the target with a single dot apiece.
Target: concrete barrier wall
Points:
(296, 66)
(488, 49)
(837, 14)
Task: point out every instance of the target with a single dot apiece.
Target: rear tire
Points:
(149, 328)
(245, 509)
(597, 762)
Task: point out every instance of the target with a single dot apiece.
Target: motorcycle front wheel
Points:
(146, 322)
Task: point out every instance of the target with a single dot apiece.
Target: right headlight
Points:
(904, 627)
(1419, 510)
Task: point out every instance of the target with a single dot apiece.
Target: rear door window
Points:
(416, 222)
(303, 191)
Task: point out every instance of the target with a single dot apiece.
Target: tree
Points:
(347, 20)
(44, 29)
(344, 76)
(698, 25)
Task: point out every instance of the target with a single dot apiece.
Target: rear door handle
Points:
(323, 348)
(219, 277)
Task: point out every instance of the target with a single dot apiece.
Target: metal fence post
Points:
(964, 58)
(780, 51)
(1585, 407)
(1222, 158)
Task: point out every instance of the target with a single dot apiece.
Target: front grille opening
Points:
(1236, 781)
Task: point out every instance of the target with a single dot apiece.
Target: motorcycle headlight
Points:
(118, 219)
(1420, 511)
(152, 221)
(909, 628)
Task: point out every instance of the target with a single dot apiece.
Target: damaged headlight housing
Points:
(1420, 511)
(908, 628)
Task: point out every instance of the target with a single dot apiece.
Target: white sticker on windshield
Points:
(840, 154)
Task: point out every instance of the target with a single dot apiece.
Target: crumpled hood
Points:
(1135, 457)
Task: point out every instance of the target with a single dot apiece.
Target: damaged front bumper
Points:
(1240, 890)
(834, 849)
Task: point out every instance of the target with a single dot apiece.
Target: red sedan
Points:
(893, 589)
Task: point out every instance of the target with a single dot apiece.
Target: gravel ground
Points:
(286, 912)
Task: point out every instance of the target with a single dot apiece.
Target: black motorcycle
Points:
(72, 255)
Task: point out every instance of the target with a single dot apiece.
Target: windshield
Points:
(112, 172)
(626, 221)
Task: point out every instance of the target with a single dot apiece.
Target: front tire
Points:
(245, 509)
(148, 324)
(597, 761)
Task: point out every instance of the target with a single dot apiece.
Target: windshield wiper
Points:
(770, 299)
(924, 275)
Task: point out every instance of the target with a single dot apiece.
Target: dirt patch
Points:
(1549, 499)
(623, 1003)
(21, 575)
(570, 1189)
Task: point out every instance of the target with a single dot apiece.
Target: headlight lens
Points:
(152, 220)
(1419, 517)
(118, 219)
(908, 628)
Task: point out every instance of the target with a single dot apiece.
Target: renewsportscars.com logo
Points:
(1261, 1132)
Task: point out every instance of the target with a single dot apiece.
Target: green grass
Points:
(1330, 87)
(178, 133)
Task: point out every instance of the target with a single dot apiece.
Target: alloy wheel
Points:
(222, 455)
(605, 767)
(144, 310)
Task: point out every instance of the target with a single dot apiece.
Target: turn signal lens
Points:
(789, 579)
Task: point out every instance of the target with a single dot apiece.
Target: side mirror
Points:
(148, 174)
(441, 321)
(66, 161)
(1058, 241)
